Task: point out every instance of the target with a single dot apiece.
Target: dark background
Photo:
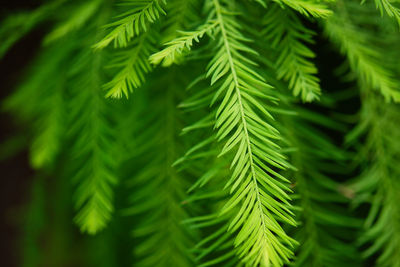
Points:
(15, 174)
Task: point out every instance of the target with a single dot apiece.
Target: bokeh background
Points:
(16, 175)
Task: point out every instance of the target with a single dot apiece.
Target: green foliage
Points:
(132, 22)
(133, 65)
(362, 49)
(243, 121)
(288, 36)
(42, 99)
(154, 175)
(14, 27)
(80, 15)
(323, 220)
(390, 7)
(93, 137)
(308, 8)
(377, 185)
(189, 141)
(177, 46)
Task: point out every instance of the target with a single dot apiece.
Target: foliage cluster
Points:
(198, 132)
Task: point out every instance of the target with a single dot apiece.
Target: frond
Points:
(182, 16)
(364, 55)
(259, 195)
(177, 46)
(390, 8)
(312, 8)
(132, 64)
(289, 37)
(136, 19)
(92, 159)
(63, 99)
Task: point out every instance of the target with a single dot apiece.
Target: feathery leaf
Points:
(185, 42)
(259, 195)
(365, 57)
(133, 22)
(312, 8)
(390, 8)
(133, 64)
(290, 37)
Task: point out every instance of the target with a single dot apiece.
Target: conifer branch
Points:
(254, 185)
(364, 57)
(182, 15)
(290, 37)
(92, 158)
(133, 64)
(177, 46)
(312, 8)
(133, 22)
(389, 8)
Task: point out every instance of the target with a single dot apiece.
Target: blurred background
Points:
(16, 175)
(36, 226)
